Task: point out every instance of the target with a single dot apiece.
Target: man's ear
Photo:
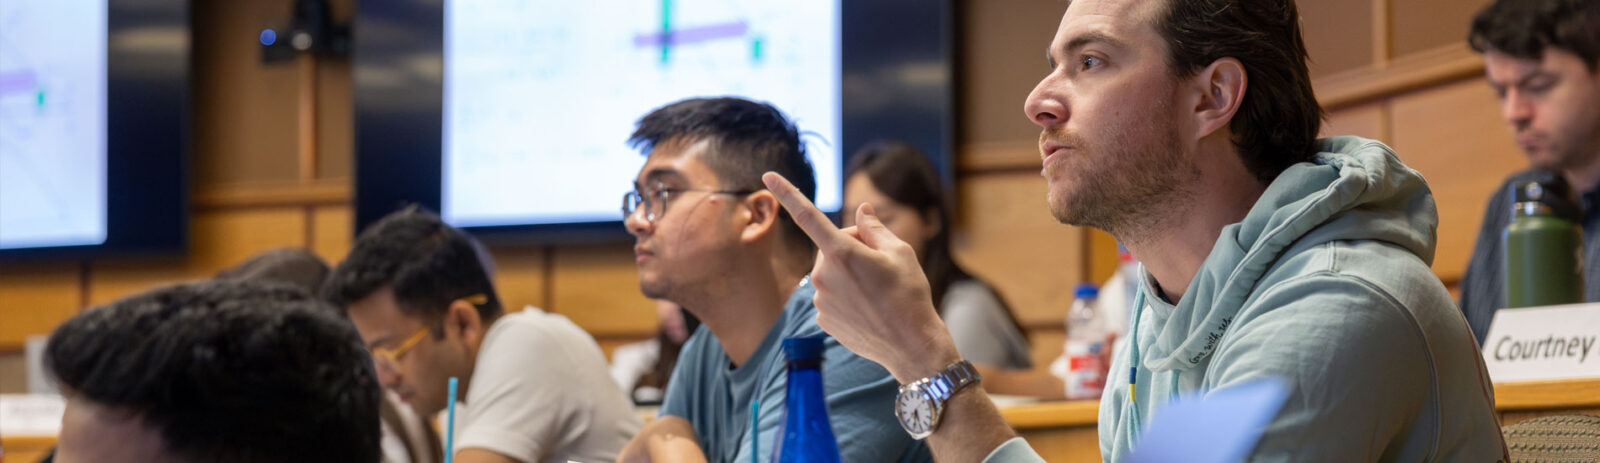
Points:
(463, 325)
(1221, 88)
(762, 215)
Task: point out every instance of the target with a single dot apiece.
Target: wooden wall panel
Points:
(217, 239)
(113, 280)
(598, 288)
(35, 297)
(1422, 25)
(1002, 48)
(245, 111)
(1013, 156)
(1338, 34)
(1045, 342)
(1397, 77)
(14, 377)
(521, 277)
(331, 233)
(335, 121)
(1453, 134)
(336, 108)
(1101, 255)
(1007, 236)
(1366, 121)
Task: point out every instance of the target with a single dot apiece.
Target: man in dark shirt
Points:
(1541, 58)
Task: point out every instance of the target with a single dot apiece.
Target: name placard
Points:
(1542, 343)
(31, 414)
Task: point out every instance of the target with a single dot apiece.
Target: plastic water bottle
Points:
(1086, 339)
(1543, 245)
(1128, 269)
(1117, 295)
(807, 435)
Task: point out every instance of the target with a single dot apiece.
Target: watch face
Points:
(915, 412)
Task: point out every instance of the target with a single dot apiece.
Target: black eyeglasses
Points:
(655, 200)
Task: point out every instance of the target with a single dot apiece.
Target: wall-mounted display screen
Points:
(93, 127)
(539, 95)
(52, 123)
(511, 117)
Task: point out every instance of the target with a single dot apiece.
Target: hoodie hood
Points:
(1355, 189)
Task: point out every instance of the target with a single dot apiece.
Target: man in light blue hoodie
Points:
(1186, 129)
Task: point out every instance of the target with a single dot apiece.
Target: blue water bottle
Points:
(807, 436)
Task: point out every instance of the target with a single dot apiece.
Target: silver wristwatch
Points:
(921, 402)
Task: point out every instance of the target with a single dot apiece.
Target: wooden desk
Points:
(1521, 401)
(1067, 432)
(1059, 431)
(26, 449)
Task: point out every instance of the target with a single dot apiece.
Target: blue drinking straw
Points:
(450, 425)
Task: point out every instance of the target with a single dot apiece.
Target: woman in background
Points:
(904, 188)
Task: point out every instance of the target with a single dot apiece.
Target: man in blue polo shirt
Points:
(711, 239)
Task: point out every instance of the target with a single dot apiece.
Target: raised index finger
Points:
(806, 215)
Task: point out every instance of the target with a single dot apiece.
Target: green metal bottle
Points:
(1543, 245)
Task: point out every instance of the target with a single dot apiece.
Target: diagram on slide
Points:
(541, 96)
(52, 123)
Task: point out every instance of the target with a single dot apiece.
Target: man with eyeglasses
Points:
(533, 386)
(711, 238)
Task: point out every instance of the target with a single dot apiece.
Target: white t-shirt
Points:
(541, 392)
(632, 361)
(412, 431)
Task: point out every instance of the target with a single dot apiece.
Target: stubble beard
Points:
(1578, 153)
(1574, 148)
(1131, 187)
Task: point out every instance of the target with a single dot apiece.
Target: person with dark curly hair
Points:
(406, 438)
(237, 371)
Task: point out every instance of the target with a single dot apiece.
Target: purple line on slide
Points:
(18, 81)
(693, 34)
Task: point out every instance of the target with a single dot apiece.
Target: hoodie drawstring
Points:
(1136, 425)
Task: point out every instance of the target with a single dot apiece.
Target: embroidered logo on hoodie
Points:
(1211, 340)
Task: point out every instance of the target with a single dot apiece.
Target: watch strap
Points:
(952, 378)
